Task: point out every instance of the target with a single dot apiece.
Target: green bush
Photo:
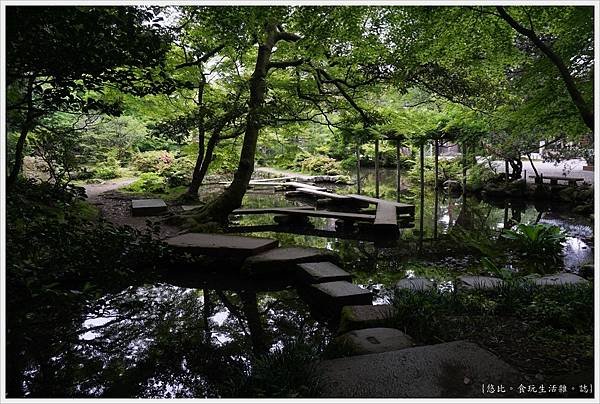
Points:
(479, 175)
(156, 161)
(154, 144)
(150, 183)
(108, 169)
(180, 172)
(321, 165)
(447, 170)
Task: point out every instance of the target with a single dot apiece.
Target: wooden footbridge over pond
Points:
(388, 216)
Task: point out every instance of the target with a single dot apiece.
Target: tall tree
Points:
(59, 59)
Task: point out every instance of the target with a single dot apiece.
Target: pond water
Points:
(164, 340)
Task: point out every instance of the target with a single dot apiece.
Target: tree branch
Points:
(586, 113)
(285, 64)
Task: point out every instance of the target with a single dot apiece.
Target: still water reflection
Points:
(166, 339)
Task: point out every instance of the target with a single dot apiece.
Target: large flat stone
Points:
(453, 369)
(417, 284)
(335, 295)
(282, 261)
(375, 340)
(221, 245)
(366, 316)
(148, 207)
(479, 282)
(564, 278)
(319, 272)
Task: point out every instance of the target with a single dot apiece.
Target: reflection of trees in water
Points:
(164, 341)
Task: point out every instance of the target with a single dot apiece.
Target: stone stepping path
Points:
(374, 340)
(479, 282)
(400, 207)
(220, 245)
(320, 272)
(453, 369)
(282, 261)
(365, 316)
(148, 207)
(416, 283)
(335, 295)
(564, 278)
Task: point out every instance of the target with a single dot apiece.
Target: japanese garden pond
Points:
(161, 340)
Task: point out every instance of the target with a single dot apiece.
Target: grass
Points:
(547, 330)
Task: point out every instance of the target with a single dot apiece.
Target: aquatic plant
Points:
(536, 240)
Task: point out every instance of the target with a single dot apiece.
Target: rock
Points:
(415, 284)
(330, 297)
(148, 207)
(587, 271)
(563, 278)
(366, 316)
(479, 282)
(283, 260)
(425, 371)
(221, 245)
(319, 272)
(374, 340)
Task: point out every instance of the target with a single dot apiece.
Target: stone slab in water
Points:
(385, 217)
(415, 284)
(374, 340)
(365, 316)
(335, 295)
(479, 282)
(221, 245)
(319, 272)
(148, 207)
(453, 369)
(283, 260)
(564, 278)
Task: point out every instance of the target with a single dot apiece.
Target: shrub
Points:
(448, 170)
(155, 161)
(478, 175)
(150, 183)
(108, 169)
(321, 165)
(180, 172)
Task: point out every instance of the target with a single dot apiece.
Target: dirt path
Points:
(115, 206)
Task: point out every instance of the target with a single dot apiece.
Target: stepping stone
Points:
(187, 208)
(415, 284)
(564, 278)
(479, 282)
(366, 316)
(385, 217)
(319, 272)
(374, 340)
(148, 207)
(335, 295)
(283, 260)
(453, 369)
(221, 245)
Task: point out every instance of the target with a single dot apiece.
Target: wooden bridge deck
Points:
(307, 212)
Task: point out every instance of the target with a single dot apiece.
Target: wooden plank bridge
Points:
(387, 215)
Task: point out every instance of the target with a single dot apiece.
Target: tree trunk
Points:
(587, 114)
(25, 128)
(196, 178)
(376, 168)
(219, 208)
